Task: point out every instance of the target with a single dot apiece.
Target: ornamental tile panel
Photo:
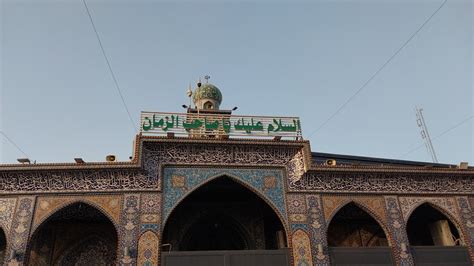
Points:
(317, 225)
(7, 210)
(21, 225)
(301, 249)
(398, 235)
(467, 218)
(296, 203)
(148, 247)
(129, 229)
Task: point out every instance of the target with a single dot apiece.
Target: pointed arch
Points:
(367, 211)
(65, 202)
(148, 245)
(438, 213)
(209, 189)
(435, 205)
(281, 213)
(79, 224)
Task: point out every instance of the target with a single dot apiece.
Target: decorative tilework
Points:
(46, 206)
(76, 180)
(301, 249)
(397, 230)
(298, 218)
(195, 177)
(149, 227)
(296, 226)
(151, 203)
(189, 152)
(332, 204)
(148, 247)
(178, 181)
(129, 229)
(149, 218)
(150, 208)
(409, 204)
(383, 182)
(7, 210)
(296, 203)
(467, 218)
(374, 205)
(21, 225)
(269, 182)
(318, 231)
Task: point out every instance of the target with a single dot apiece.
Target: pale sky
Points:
(304, 58)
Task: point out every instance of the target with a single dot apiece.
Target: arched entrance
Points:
(435, 238)
(3, 245)
(78, 234)
(224, 218)
(355, 237)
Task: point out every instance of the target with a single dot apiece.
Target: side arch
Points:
(436, 206)
(105, 242)
(281, 213)
(67, 202)
(367, 210)
(457, 224)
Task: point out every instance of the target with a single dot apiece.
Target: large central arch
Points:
(224, 219)
(223, 214)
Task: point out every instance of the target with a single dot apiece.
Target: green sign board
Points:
(218, 124)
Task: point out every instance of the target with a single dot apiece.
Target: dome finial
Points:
(207, 77)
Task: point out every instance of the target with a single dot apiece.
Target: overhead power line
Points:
(110, 67)
(377, 72)
(440, 135)
(14, 144)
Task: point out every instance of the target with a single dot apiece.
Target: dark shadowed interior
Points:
(222, 215)
(76, 235)
(353, 227)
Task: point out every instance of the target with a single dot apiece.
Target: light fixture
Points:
(79, 160)
(24, 160)
(184, 106)
(235, 108)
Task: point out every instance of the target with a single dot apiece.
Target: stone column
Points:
(397, 230)
(20, 231)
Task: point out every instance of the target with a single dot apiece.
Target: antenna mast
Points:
(420, 121)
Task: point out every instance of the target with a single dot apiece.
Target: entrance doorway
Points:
(221, 222)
